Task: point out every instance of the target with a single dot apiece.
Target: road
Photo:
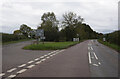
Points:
(87, 59)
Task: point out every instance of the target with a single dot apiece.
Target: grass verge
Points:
(114, 46)
(50, 46)
(11, 42)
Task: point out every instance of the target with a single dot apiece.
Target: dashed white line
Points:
(30, 66)
(22, 65)
(30, 62)
(21, 71)
(38, 62)
(2, 74)
(42, 57)
(95, 65)
(43, 60)
(47, 57)
(95, 55)
(89, 58)
(12, 76)
(11, 70)
(37, 59)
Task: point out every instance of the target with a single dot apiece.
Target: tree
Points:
(25, 30)
(70, 22)
(50, 26)
(17, 32)
(71, 19)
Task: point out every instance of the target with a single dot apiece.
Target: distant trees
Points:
(113, 37)
(24, 30)
(72, 27)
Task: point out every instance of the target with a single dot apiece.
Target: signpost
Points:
(40, 34)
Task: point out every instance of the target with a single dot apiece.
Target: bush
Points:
(12, 37)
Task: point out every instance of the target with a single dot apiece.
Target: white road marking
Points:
(2, 74)
(38, 62)
(48, 53)
(99, 63)
(30, 62)
(11, 70)
(47, 57)
(88, 48)
(43, 60)
(21, 71)
(54, 51)
(89, 58)
(91, 48)
(30, 66)
(22, 65)
(51, 55)
(42, 57)
(37, 59)
(95, 65)
(95, 55)
(12, 76)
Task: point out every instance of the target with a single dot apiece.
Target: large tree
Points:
(50, 26)
(69, 23)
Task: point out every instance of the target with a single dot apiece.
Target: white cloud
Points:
(100, 15)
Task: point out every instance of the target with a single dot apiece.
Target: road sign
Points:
(76, 39)
(42, 37)
(104, 39)
(40, 33)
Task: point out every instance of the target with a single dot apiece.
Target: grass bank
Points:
(11, 42)
(114, 46)
(50, 46)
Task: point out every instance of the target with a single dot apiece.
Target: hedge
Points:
(12, 37)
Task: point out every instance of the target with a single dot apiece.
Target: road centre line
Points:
(30, 62)
(89, 58)
(22, 65)
(42, 57)
(12, 76)
(38, 62)
(30, 66)
(2, 74)
(37, 59)
(11, 70)
(21, 71)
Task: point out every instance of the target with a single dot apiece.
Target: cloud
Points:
(100, 15)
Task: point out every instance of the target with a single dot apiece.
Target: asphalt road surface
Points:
(87, 59)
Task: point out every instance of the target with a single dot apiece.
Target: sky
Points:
(101, 15)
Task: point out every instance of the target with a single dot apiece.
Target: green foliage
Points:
(50, 26)
(114, 46)
(25, 30)
(113, 37)
(50, 46)
(17, 32)
(11, 37)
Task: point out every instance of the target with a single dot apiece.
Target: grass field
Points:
(116, 47)
(50, 46)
